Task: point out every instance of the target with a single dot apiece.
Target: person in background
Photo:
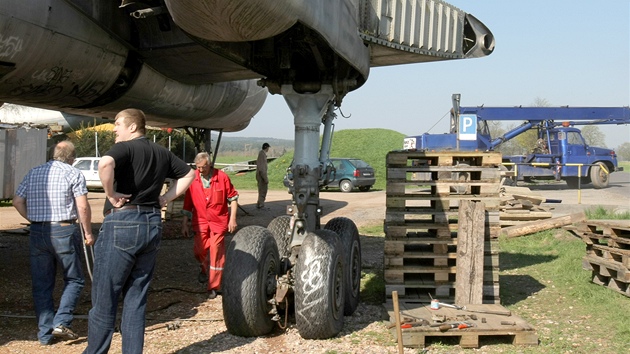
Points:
(206, 204)
(51, 197)
(132, 172)
(261, 175)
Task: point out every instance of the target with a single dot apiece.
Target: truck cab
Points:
(562, 153)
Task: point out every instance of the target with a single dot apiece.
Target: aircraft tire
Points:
(349, 236)
(599, 177)
(319, 281)
(252, 263)
(279, 227)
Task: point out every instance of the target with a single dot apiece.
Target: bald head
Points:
(64, 152)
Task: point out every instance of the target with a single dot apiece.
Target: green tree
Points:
(594, 136)
(87, 138)
(623, 151)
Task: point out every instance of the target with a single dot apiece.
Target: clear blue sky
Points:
(574, 53)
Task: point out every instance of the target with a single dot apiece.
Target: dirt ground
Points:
(180, 317)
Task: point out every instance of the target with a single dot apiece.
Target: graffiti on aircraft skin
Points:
(10, 46)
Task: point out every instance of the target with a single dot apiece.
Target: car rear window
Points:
(359, 163)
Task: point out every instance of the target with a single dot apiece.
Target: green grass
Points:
(601, 213)
(625, 165)
(542, 281)
(370, 145)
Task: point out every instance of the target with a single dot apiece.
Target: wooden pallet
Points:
(607, 252)
(514, 329)
(444, 158)
(614, 228)
(611, 283)
(445, 174)
(607, 268)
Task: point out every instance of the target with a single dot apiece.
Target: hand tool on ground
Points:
(458, 325)
(451, 306)
(410, 322)
(491, 312)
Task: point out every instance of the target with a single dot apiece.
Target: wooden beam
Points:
(470, 250)
(541, 225)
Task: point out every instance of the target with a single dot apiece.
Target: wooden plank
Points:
(471, 223)
(541, 225)
(524, 215)
(537, 200)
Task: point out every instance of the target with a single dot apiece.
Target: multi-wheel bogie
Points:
(294, 267)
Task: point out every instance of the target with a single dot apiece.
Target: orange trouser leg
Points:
(209, 249)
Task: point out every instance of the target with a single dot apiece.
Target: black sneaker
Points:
(212, 294)
(64, 332)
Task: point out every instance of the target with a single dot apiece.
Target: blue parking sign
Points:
(468, 127)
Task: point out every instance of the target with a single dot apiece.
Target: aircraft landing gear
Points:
(320, 269)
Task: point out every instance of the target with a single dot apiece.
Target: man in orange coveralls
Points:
(206, 204)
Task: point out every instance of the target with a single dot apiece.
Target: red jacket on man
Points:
(213, 200)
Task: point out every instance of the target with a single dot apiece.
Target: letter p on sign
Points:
(468, 127)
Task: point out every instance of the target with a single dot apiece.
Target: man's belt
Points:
(137, 208)
(60, 223)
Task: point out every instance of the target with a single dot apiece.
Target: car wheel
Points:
(345, 186)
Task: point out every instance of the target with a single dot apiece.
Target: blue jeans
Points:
(124, 259)
(51, 245)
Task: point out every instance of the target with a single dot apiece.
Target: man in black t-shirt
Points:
(133, 173)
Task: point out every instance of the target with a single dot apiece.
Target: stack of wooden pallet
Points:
(607, 252)
(424, 191)
(520, 204)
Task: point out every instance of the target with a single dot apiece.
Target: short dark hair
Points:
(265, 145)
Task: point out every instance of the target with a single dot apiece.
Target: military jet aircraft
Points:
(209, 64)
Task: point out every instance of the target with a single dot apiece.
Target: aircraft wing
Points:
(211, 63)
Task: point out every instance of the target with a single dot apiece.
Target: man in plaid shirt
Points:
(51, 197)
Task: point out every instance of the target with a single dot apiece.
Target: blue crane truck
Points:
(559, 153)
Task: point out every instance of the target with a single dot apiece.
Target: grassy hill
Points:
(370, 145)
